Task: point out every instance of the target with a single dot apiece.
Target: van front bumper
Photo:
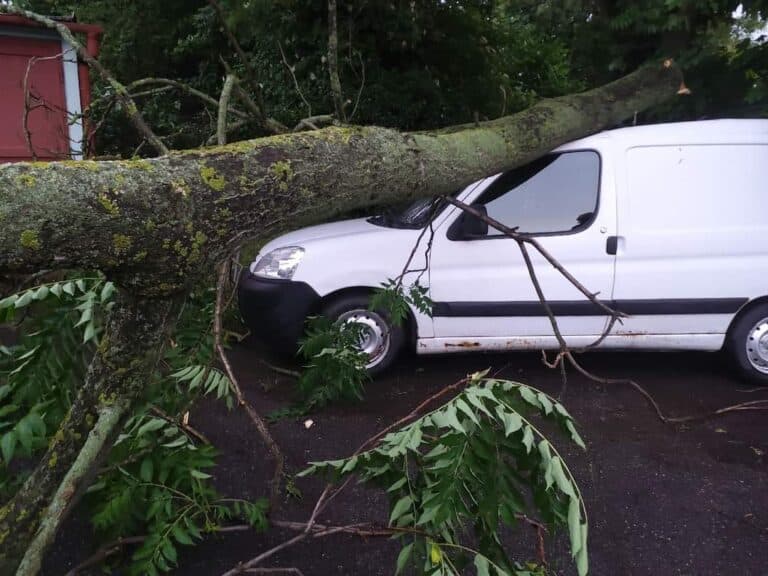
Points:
(275, 310)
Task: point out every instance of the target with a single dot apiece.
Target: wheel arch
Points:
(745, 309)
(411, 330)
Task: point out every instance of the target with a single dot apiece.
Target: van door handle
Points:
(611, 245)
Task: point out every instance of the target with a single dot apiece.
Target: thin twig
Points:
(267, 124)
(333, 63)
(295, 81)
(182, 87)
(221, 124)
(243, 566)
(105, 552)
(254, 416)
(251, 75)
(359, 90)
(179, 423)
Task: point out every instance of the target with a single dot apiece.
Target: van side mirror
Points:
(469, 226)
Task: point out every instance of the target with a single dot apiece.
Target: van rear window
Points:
(557, 193)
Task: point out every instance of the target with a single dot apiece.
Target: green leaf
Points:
(145, 472)
(397, 485)
(24, 299)
(56, 289)
(560, 409)
(575, 435)
(546, 403)
(36, 423)
(529, 396)
(181, 536)
(350, 465)
(574, 525)
(428, 515)
(546, 457)
(528, 438)
(90, 332)
(582, 561)
(42, 293)
(151, 425)
(69, 288)
(402, 558)
(199, 475)
(24, 433)
(482, 565)
(464, 407)
(169, 551)
(80, 285)
(402, 505)
(511, 420)
(107, 291)
(8, 445)
(563, 483)
(8, 409)
(473, 397)
(452, 419)
(178, 442)
(85, 316)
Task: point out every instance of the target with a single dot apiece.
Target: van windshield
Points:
(413, 216)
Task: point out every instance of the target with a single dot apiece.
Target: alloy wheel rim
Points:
(757, 346)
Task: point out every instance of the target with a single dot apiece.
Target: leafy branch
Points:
(477, 460)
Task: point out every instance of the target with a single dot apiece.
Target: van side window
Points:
(557, 193)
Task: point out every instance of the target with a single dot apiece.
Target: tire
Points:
(380, 336)
(748, 344)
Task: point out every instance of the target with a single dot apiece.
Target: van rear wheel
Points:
(380, 339)
(748, 344)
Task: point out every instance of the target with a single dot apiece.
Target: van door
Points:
(691, 249)
(479, 282)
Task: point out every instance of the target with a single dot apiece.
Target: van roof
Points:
(732, 131)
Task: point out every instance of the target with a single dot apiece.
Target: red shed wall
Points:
(47, 116)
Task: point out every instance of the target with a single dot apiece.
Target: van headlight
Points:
(280, 263)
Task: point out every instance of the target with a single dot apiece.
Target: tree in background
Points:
(423, 64)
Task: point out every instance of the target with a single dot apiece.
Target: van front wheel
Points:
(748, 344)
(379, 338)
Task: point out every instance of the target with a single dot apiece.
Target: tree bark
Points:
(152, 224)
(128, 351)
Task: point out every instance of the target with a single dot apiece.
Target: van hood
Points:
(332, 230)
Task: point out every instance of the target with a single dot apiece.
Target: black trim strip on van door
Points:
(587, 308)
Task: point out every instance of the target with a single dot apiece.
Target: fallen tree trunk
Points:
(152, 225)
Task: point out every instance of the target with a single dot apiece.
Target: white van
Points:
(668, 223)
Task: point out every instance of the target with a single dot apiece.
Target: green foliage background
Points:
(426, 63)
